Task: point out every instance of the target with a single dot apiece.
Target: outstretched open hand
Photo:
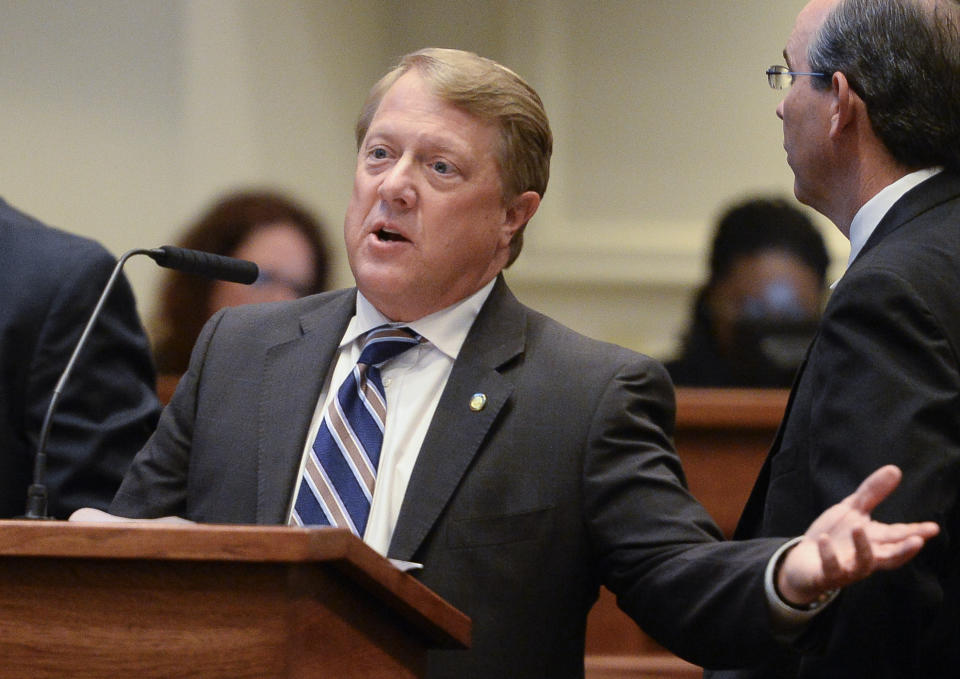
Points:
(844, 545)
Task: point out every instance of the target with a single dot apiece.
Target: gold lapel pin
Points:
(478, 402)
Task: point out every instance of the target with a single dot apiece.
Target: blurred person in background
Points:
(756, 314)
(282, 237)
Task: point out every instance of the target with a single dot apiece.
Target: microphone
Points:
(205, 264)
(182, 259)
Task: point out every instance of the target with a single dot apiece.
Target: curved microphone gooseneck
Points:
(182, 259)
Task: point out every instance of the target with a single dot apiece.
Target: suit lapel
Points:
(294, 373)
(924, 196)
(457, 432)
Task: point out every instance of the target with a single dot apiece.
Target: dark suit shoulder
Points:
(272, 323)
(589, 353)
(916, 262)
(22, 234)
(46, 260)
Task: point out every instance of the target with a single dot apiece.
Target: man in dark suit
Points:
(872, 132)
(50, 281)
(522, 464)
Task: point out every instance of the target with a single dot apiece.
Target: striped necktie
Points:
(339, 475)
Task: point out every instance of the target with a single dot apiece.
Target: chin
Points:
(383, 291)
(800, 192)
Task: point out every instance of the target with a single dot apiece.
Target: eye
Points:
(378, 153)
(441, 167)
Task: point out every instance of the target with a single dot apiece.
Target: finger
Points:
(875, 488)
(895, 532)
(829, 561)
(894, 557)
(865, 562)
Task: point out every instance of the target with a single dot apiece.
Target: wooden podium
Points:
(147, 599)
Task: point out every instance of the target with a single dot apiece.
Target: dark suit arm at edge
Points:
(658, 549)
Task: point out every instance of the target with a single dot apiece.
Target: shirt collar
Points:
(869, 215)
(445, 329)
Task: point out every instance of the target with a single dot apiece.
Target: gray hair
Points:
(902, 57)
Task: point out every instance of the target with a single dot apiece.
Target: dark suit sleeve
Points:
(886, 385)
(157, 482)
(659, 550)
(108, 407)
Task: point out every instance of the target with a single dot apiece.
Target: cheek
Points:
(353, 219)
(363, 194)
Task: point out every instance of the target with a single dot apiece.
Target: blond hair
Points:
(493, 93)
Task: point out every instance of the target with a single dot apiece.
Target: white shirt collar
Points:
(869, 215)
(446, 329)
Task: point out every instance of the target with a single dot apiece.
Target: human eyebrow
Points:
(786, 58)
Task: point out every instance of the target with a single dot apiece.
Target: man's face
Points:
(805, 112)
(426, 225)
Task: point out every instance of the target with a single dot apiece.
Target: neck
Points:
(867, 178)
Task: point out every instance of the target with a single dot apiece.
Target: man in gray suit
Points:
(522, 464)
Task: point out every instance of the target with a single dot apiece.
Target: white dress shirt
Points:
(413, 382)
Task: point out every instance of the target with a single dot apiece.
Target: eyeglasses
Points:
(781, 77)
(267, 279)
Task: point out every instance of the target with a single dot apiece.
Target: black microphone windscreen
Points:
(206, 264)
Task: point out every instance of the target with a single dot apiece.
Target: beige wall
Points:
(122, 119)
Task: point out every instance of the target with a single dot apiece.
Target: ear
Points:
(846, 104)
(519, 211)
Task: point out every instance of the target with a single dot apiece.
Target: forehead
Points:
(411, 105)
(808, 22)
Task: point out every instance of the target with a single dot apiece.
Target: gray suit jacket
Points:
(565, 480)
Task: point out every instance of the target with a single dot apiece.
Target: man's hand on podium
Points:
(91, 515)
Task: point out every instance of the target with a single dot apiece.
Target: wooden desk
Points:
(722, 438)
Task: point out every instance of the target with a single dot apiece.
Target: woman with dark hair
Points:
(265, 227)
(759, 308)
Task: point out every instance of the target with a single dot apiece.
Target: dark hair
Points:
(766, 224)
(747, 228)
(222, 229)
(902, 57)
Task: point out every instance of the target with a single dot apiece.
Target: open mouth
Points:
(389, 236)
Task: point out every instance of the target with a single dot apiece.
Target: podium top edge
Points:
(171, 542)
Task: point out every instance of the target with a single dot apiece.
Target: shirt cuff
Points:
(786, 616)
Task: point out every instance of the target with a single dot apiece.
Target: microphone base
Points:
(36, 504)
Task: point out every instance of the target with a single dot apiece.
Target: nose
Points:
(780, 110)
(396, 186)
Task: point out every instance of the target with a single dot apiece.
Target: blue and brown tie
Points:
(339, 475)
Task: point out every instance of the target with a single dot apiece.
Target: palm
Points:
(844, 545)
